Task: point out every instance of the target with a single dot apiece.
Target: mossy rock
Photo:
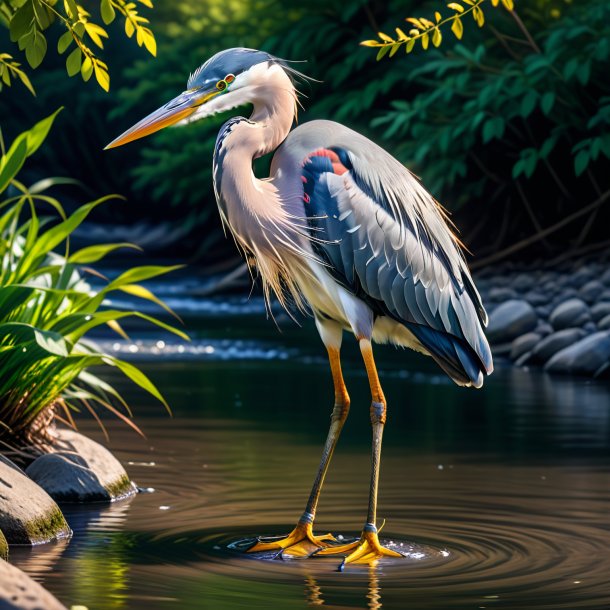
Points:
(80, 470)
(28, 515)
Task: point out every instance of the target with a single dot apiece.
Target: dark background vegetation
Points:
(508, 128)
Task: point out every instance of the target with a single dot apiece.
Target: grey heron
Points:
(342, 229)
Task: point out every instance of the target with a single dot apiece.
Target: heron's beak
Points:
(176, 110)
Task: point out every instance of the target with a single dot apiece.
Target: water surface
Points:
(502, 496)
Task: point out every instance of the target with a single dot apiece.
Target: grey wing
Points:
(383, 237)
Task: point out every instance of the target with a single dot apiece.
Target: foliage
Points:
(47, 309)
(28, 22)
(426, 31)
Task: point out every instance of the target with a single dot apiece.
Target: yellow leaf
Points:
(425, 39)
(416, 22)
(385, 37)
(508, 5)
(457, 28)
(102, 77)
(149, 41)
(394, 48)
(146, 3)
(437, 16)
(437, 37)
(426, 22)
(495, 2)
(401, 35)
(370, 43)
(129, 28)
(414, 32)
(456, 7)
(478, 16)
(410, 44)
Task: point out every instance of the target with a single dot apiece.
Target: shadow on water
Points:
(501, 496)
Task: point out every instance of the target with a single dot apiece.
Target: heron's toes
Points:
(364, 551)
(301, 542)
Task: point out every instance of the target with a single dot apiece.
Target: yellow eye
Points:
(221, 85)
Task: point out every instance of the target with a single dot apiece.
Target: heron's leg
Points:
(368, 548)
(302, 541)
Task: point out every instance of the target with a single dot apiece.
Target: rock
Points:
(604, 297)
(555, 342)
(543, 311)
(604, 323)
(28, 515)
(3, 546)
(499, 295)
(543, 328)
(523, 282)
(605, 277)
(20, 592)
(591, 291)
(599, 311)
(80, 470)
(570, 313)
(536, 298)
(510, 320)
(589, 327)
(580, 278)
(523, 344)
(583, 358)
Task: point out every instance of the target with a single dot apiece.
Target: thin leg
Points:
(368, 548)
(301, 541)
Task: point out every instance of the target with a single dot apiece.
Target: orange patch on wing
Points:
(338, 167)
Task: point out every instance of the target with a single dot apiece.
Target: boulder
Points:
(523, 344)
(20, 592)
(591, 291)
(569, 314)
(510, 320)
(28, 515)
(500, 294)
(80, 470)
(599, 311)
(555, 342)
(604, 323)
(583, 358)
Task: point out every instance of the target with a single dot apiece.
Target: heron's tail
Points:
(455, 356)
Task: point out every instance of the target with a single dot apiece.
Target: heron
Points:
(340, 229)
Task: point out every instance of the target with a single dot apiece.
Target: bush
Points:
(47, 309)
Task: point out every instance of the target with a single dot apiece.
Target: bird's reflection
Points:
(314, 593)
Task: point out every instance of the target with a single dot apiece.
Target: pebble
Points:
(555, 342)
(604, 323)
(599, 311)
(523, 344)
(570, 313)
(591, 291)
(583, 358)
(510, 320)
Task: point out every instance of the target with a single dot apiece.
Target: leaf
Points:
(370, 43)
(581, 161)
(51, 342)
(394, 48)
(11, 163)
(456, 7)
(149, 41)
(457, 28)
(382, 51)
(437, 37)
(92, 254)
(38, 134)
(65, 40)
(86, 69)
(528, 103)
(102, 77)
(547, 102)
(36, 49)
(385, 37)
(107, 12)
(410, 44)
(129, 28)
(508, 4)
(425, 39)
(73, 62)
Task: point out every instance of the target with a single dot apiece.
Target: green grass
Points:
(47, 308)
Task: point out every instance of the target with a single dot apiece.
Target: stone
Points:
(605, 277)
(604, 323)
(28, 515)
(80, 470)
(543, 311)
(20, 592)
(543, 328)
(599, 311)
(583, 358)
(580, 278)
(591, 291)
(523, 282)
(604, 297)
(3, 546)
(570, 313)
(523, 344)
(555, 342)
(499, 295)
(536, 298)
(510, 320)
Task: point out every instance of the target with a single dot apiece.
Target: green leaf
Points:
(581, 161)
(107, 11)
(73, 63)
(38, 134)
(547, 102)
(36, 49)
(65, 40)
(92, 254)
(528, 103)
(21, 21)
(11, 163)
(382, 51)
(51, 342)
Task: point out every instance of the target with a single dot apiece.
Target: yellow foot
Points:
(366, 550)
(301, 542)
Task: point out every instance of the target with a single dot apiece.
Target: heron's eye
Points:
(229, 78)
(221, 85)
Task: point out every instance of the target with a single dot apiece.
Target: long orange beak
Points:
(176, 110)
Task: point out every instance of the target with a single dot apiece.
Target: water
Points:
(501, 496)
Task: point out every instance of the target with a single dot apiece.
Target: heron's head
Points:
(229, 79)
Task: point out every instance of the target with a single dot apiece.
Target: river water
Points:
(500, 497)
